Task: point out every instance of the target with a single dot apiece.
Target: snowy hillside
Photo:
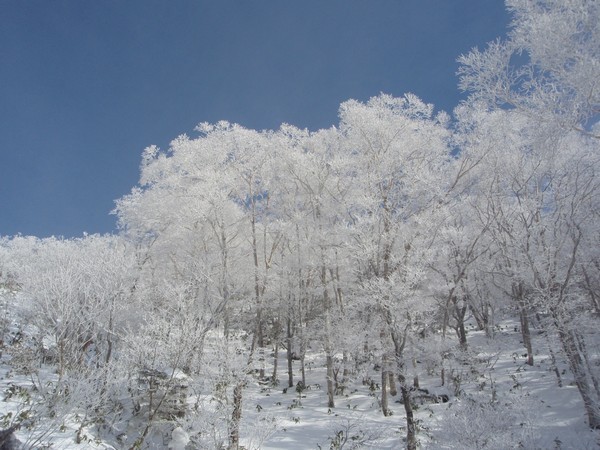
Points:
(491, 399)
(403, 279)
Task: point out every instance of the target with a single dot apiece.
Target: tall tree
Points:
(319, 190)
(398, 150)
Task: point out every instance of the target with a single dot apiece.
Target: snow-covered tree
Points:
(544, 77)
(547, 68)
(399, 156)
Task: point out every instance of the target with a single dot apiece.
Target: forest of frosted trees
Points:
(382, 240)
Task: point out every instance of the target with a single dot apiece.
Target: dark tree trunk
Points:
(416, 376)
(526, 334)
(555, 367)
(460, 312)
(303, 369)
(518, 292)
(236, 416)
(275, 362)
(328, 345)
(290, 353)
(568, 339)
(392, 383)
(330, 383)
(411, 426)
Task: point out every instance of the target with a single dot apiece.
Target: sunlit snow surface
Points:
(529, 410)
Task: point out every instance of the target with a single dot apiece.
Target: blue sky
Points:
(86, 85)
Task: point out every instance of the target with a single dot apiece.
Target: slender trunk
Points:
(109, 346)
(236, 416)
(583, 351)
(462, 334)
(392, 383)
(330, 383)
(275, 362)
(337, 288)
(591, 291)
(226, 321)
(568, 341)
(411, 425)
(479, 318)
(581, 380)
(290, 353)
(518, 293)
(346, 370)
(328, 345)
(225, 283)
(555, 367)
(109, 343)
(460, 313)
(482, 317)
(303, 370)
(416, 377)
(526, 334)
(446, 320)
(329, 357)
(61, 359)
(257, 293)
(488, 322)
(302, 357)
(301, 295)
(385, 376)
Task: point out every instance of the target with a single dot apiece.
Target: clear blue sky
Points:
(86, 85)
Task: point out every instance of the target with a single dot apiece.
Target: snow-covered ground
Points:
(503, 403)
(530, 409)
